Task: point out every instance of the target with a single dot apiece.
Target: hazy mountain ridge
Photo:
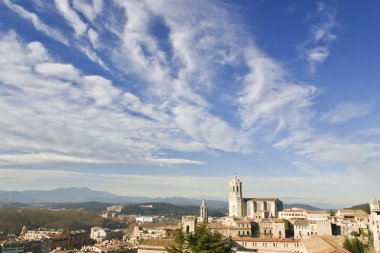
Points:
(84, 195)
(79, 195)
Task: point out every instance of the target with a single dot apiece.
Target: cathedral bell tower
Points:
(203, 212)
(235, 198)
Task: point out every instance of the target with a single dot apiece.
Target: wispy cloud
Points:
(355, 157)
(64, 112)
(90, 9)
(8, 175)
(71, 16)
(347, 111)
(170, 110)
(316, 48)
(38, 24)
(270, 97)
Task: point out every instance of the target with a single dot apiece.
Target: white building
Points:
(255, 208)
(303, 214)
(317, 215)
(306, 228)
(118, 209)
(145, 219)
(375, 222)
(203, 212)
(101, 234)
(250, 244)
(11, 246)
(293, 213)
(189, 224)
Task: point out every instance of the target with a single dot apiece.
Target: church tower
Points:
(235, 198)
(204, 212)
(374, 205)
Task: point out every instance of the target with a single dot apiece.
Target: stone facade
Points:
(254, 208)
(375, 223)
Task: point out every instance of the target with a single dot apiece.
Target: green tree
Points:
(357, 246)
(347, 244)
(354, 246)
(180, 244)
(203, 241)
(354, 234)
(370, 239)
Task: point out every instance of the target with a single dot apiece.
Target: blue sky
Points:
(171, 98)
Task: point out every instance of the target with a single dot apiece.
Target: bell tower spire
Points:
(204, 211)
(235, 197)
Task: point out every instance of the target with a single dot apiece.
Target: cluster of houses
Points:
(260, 225)
(252, 225)
(43, 241)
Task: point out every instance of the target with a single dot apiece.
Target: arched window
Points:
(237, 189)
(187, 229)
(233, 188)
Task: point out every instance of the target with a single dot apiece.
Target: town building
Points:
(11, 246)
(118, 209)
(203, 213)
(269, 228)
(307, 228)
(78, 238)
(255, 208)
(144, 219)
(375, 223)
(154, 245)
(351, 222)
(102, 234)
(250, 244)
(189, 224)
(293, 213)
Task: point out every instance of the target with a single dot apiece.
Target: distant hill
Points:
(365, 207)
(88, 199)
(167, 210)
(58, 195)
(80, 195)
(298, 205)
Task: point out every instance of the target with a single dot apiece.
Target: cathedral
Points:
(254, 208)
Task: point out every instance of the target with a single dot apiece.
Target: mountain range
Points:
(78, 195)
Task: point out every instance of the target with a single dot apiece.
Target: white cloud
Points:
(90, 10)
(12, 159)
(27, 175)
(354, 157)
(174, 161)
(316, 48)
(71, 16)
(94, 37)
(38, 24)
(61, 111)
(347, 111)
(270, 97)
(58, 70)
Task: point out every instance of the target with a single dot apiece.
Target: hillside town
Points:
(252, 225)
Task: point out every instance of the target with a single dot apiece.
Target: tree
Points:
(354, 234)
(354, 246)
(203, 241)
(370, 239)
(180, 244)
(347, 244)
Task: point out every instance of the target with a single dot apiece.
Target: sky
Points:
(172, 98)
